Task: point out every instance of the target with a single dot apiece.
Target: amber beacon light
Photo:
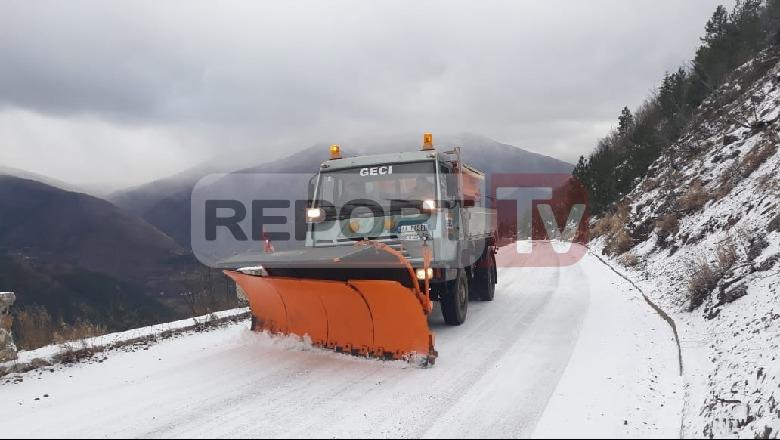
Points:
(335, 151)
(427, 141)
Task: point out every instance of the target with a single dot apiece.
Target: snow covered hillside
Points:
(571, 351)
(702, 234)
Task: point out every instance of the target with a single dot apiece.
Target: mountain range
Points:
(82, 257)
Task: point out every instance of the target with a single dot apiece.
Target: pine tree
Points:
(625, 122)
(716, 26)
(771, 19)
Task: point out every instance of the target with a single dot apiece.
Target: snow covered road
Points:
(561, 351)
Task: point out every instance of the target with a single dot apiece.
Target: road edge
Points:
(665, 316)
(78, 351)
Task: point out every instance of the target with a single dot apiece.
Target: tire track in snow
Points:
(529, 366)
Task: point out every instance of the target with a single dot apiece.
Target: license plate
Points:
(414, 232)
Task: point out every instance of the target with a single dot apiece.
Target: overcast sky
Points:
(118, 93)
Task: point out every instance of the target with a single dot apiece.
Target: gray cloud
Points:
(159, 86)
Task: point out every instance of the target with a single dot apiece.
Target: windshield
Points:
(384, 184)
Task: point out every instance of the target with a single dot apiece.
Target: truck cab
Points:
(424, 204)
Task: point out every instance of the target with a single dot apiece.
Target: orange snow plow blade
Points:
(377, 318)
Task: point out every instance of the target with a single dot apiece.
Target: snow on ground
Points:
(731, 342)
(632, 373)
(569, 351)
(49, 353)
(732, 361)
(731, 358)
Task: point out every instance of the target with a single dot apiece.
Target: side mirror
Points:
(312, 184)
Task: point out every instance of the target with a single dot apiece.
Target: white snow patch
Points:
(50, 352)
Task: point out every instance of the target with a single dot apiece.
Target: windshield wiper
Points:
(397, 207)
(405, 203)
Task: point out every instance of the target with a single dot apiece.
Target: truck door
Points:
(450, 212)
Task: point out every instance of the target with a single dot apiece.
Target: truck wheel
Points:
(485, 280)
(455, 302)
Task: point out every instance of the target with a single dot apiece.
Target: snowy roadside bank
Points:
(658, 309)
(700, 234)
(730, 357)
(623, 377)
(52, 354)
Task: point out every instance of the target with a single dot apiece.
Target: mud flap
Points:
(377, 318)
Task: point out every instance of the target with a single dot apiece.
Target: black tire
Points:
(455, 301)
(484, 285)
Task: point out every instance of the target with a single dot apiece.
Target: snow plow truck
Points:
(386, 235)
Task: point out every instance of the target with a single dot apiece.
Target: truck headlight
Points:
(423, 274)
(354, 226)
(429, 205)
(314, 215)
